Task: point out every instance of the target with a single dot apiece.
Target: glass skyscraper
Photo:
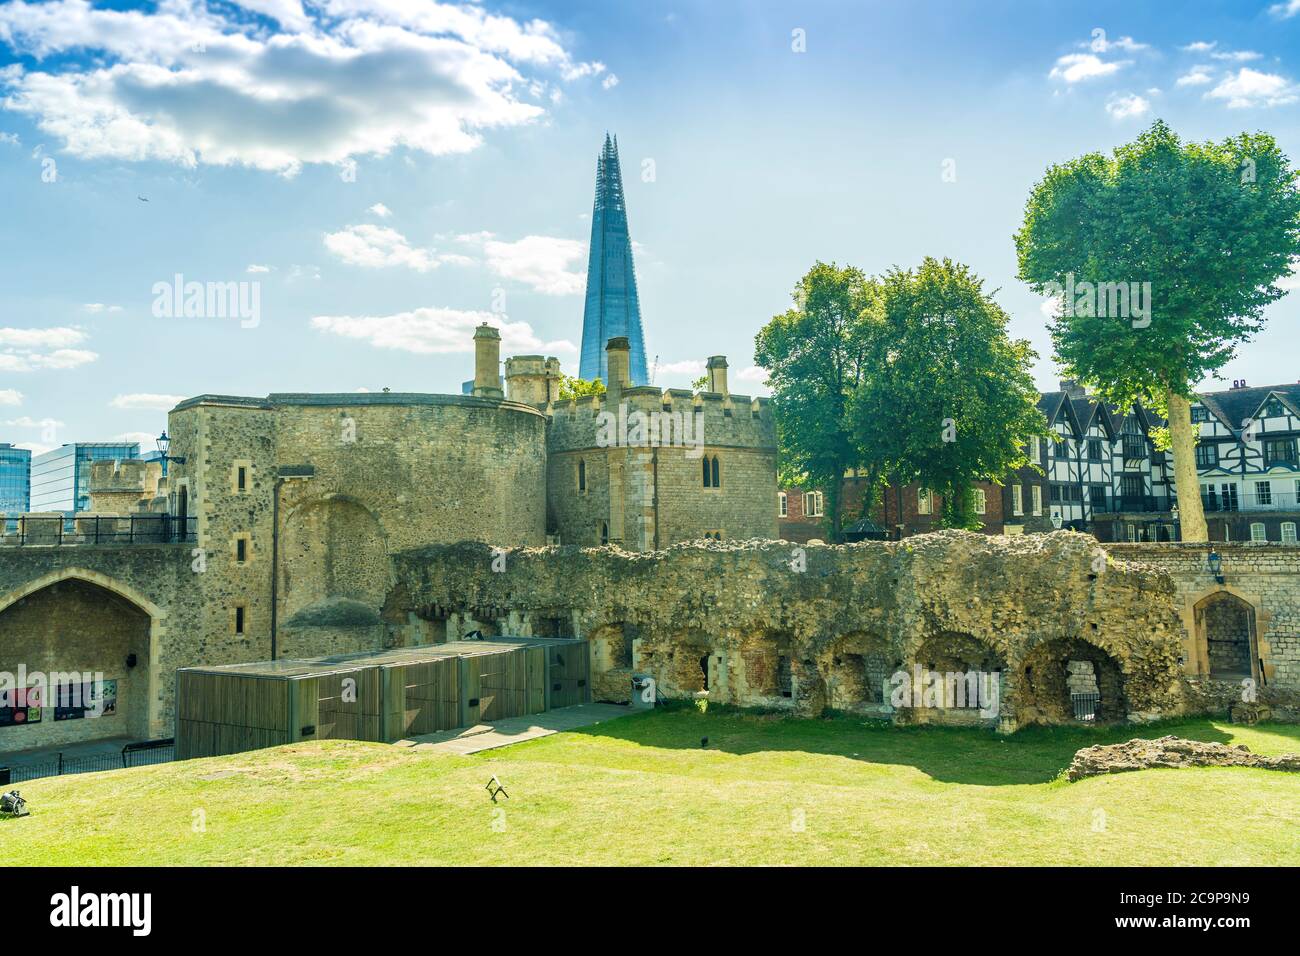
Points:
(61, 478)
(15, 479)
(612, 308)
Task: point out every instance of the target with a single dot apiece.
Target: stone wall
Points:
(835, 619)
(1261, 583)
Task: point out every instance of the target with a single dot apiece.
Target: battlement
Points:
(124, 485)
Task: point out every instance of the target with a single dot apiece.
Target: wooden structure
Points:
(379, 696)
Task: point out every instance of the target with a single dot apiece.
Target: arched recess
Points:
(1067, 680)
(1225, 629)
(970, 681)
(334, 561)
(151, 724)
(856, 667)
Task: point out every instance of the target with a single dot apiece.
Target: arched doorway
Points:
(1226, 632)
(1069, 680)
(88, 645)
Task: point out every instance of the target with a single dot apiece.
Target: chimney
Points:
(1073, 389)
(618, 355)
(487, 362)
(717, 374)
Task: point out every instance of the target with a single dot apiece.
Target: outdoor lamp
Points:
(1215, 563)
(1056, 520)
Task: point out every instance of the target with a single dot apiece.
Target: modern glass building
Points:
(612, 307)
(15, 479)
(61, 478)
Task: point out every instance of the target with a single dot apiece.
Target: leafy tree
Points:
(1211, 227)
(816, 354)
(953, 401)
(573, 387)
(700, 384)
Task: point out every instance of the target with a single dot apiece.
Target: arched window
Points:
(704, 463)
(716, 481)
(582, 476)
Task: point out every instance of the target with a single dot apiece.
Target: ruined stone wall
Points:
(742, 617)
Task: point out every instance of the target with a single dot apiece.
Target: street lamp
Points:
(1173, 514)
(1215, 563)
(1056, 520)
(164, 445)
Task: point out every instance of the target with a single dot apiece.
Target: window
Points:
(1035, 450)
(241, 477)
(582, 476)
(241, 482)
(1200, 414)
(239, 619)
(1059, 448)
(1097, 497)
(1132, 532)
(713, 535)
(924, 502)
(812, 504)
(1017, 501)
(782, 507)
(241, 550)
(1094, 449)
(1207, 456)
(712, 476)
(1036, 493)
(1288, 532)
(1273, 409)
(1135, 446)
(1263, 492)
(1279, 451)
(1257, 531)
(981, 501)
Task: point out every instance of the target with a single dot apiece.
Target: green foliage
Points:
(700, 384)
(573, 387)
(1210, 226)
(953, 401)
(816, 355)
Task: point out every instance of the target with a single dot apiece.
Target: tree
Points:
(815, 355)
(573, 387)
(1202, 231)
(953, 401)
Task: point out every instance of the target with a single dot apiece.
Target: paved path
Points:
(503, 733)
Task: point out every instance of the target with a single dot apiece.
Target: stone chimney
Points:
(1073, 389)
(717, 374)
(618, 355)
(487, 362)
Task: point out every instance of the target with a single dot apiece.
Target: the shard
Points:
(612, 307)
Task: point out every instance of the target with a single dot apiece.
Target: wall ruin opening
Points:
(1068, 680)
(1226, 625)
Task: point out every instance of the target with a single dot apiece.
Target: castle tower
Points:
(487, 362)
(612, 308)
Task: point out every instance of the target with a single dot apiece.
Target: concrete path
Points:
(503, 733)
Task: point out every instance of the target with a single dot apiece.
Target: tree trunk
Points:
(1191, 516)
(833, 499)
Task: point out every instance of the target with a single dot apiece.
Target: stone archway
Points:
(1068, 680)
(75, 619)
(857, 667)
(955, 677)
(1226, 636)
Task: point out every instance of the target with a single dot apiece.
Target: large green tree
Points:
(815, 355)
(953, 401)
(1210, 226)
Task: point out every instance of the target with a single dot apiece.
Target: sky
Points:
(374, 178)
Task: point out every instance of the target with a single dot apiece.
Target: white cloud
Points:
(547, 264)
(380, 210)
(378, 247)
(97, 307)
(27, 350)
(186, 83)
(428, 331)
(1196, 76)
(1200, 46)
(1291, 280)
(147, 401)
(692, 367)
(1075, 67)
(1237, 56)
(10, 139)
(1127, 106)
(609, 82)
(26, 421)
(255, 268)
(1099, 44)
(753, 373)
(147, 440)
(1285, 11)
(1250, 88)
(10, 396)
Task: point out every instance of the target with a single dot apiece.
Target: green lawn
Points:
(640, 790)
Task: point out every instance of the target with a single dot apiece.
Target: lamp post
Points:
(1056, 520)
(1173, 515)
(1214, 561)
(164, 445)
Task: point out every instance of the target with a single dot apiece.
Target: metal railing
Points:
(132, 755)
(56, 530)
(1085, 706)
(1252, 501)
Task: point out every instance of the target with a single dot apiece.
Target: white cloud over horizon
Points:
(437, 331)
(1251, 88)
(27, 350)
(146, 401)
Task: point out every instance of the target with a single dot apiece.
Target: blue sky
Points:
(391, 172)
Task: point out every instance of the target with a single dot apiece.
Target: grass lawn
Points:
(640, 790)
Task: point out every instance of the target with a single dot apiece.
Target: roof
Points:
(1235, 405)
